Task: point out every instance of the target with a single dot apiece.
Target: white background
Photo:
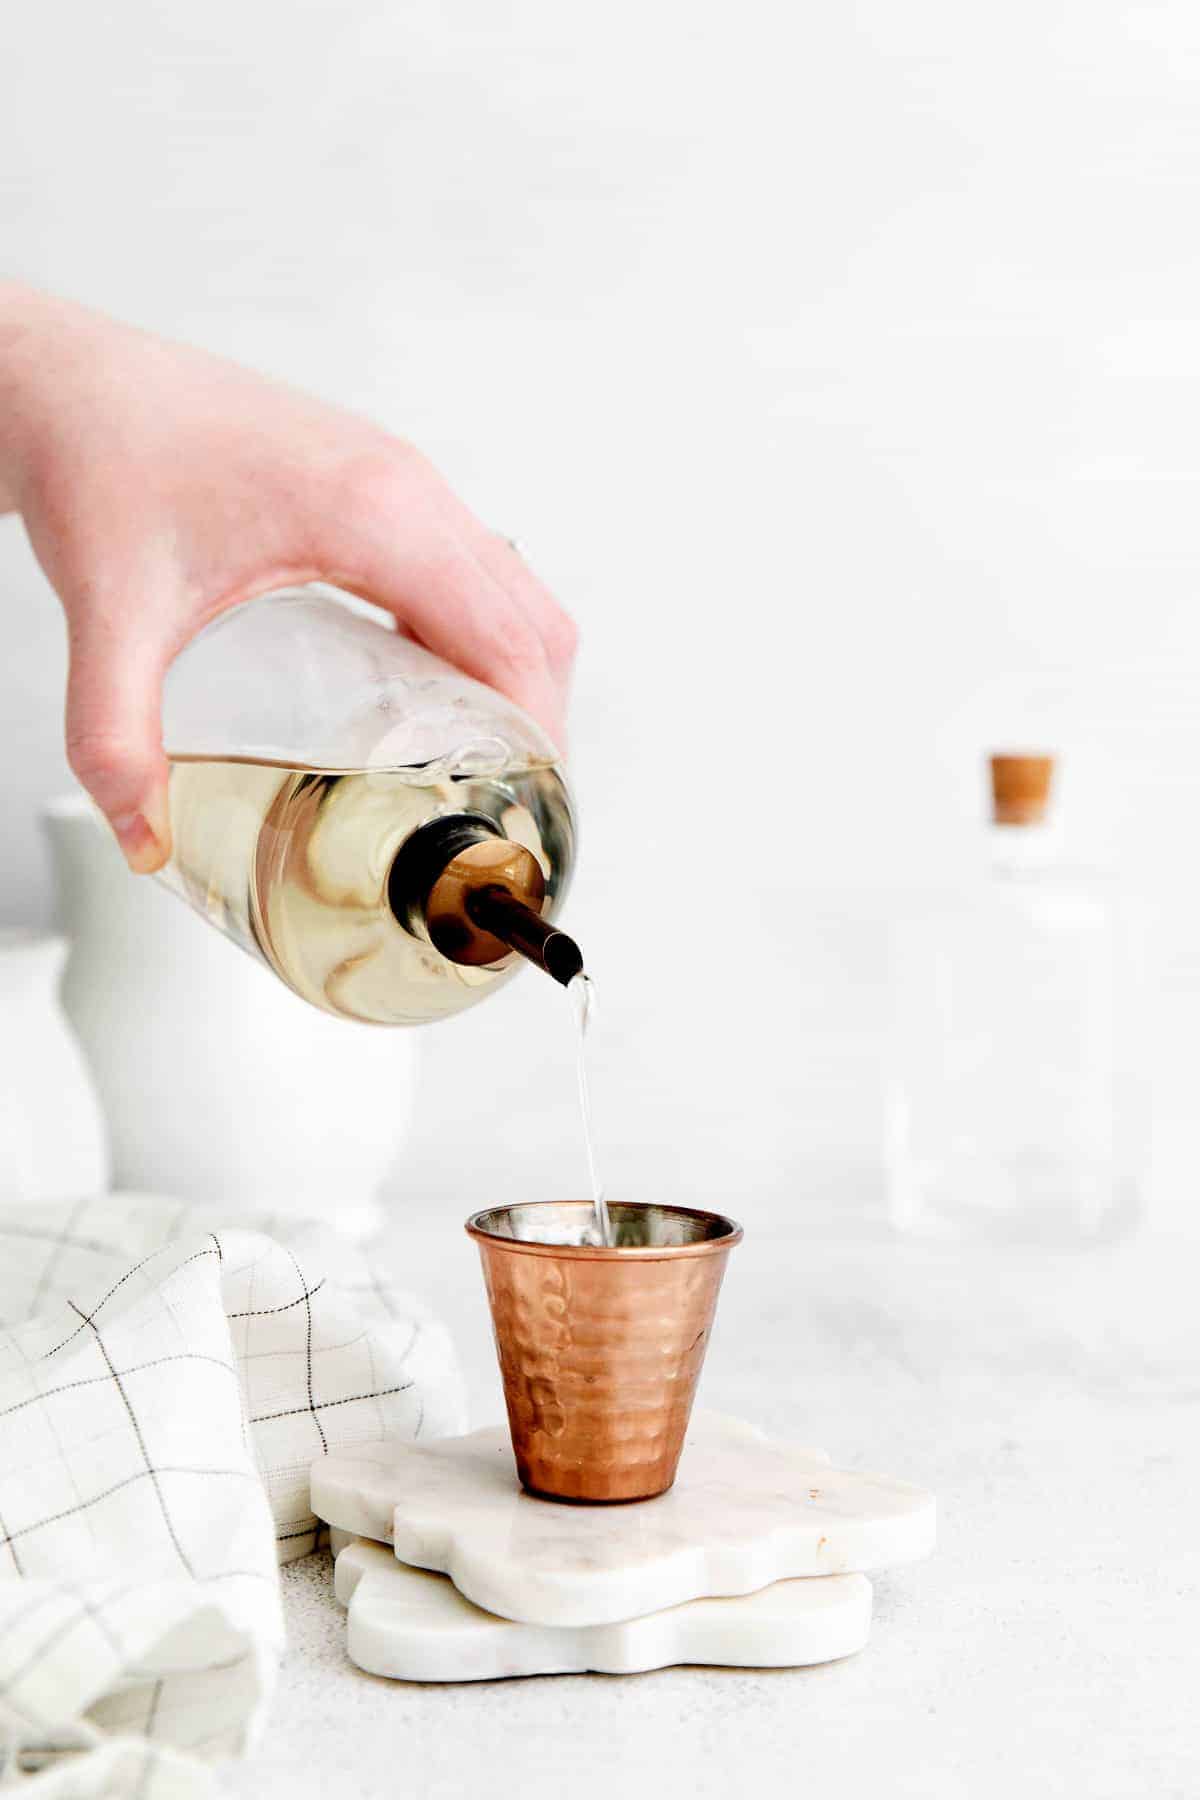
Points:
(839, 365)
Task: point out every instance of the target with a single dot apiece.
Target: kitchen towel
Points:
(164, 1385)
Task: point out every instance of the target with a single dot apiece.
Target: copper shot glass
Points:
(600, 1347)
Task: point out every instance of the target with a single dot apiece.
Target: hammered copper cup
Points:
(600, 1348)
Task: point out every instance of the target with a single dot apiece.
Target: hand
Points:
(160, 485)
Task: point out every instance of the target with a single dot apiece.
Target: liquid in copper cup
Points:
(601, 1347)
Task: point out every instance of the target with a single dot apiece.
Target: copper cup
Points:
(600, 1348)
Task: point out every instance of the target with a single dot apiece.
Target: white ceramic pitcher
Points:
(52, 1142)
(219, 1085)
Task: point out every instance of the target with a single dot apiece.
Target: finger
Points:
(505, 563)
(114, 732)
(508, 562)
(442, 597)
(405, 549)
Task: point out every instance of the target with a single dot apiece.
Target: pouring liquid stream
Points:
(581, 996)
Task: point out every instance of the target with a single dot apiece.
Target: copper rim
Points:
(725, 1239)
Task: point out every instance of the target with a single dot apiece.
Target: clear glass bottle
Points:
(387, 835)
(1009, 1112)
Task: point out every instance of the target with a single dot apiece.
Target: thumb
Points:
(114, 734)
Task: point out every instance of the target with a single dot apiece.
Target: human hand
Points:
(161, 485)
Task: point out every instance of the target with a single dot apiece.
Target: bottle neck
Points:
(1017, 852)
(476, 896)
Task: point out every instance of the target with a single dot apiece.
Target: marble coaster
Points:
(360, 1484)
(745, 1511)
(416, 1626)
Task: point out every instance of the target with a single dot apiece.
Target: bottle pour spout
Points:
(477, 896)
(496, 911)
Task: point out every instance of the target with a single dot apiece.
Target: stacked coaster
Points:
(449, 1572)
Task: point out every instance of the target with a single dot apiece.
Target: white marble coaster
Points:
(416, 1626)
(745, 1511)
(360, 1484)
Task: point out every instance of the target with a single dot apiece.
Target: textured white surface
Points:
(744, 1511)
(416, 1626)
(1048, 1646)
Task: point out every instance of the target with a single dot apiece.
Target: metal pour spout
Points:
(495, 910)
(477, 895)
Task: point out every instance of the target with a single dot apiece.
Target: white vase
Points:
(52, 1140)
(220, 1085)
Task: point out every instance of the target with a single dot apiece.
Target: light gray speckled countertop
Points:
(1050, 1647)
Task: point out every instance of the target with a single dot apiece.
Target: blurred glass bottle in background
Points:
(1010, 1109)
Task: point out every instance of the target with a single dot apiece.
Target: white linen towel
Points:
(164, 1385)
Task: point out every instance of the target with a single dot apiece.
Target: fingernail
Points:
(145, 836)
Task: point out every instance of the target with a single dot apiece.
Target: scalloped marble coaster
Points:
(416, 1626)
(745, 1511)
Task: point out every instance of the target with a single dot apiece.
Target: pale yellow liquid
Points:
(293, 865)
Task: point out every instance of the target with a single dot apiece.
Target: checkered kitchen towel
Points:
(164, 1386)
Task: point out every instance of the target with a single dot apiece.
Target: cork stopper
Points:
(1021, 788)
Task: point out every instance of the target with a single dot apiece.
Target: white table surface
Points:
(1051, 1645)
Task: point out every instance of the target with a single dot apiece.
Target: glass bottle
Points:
(388, 836)
(1009, 1114)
